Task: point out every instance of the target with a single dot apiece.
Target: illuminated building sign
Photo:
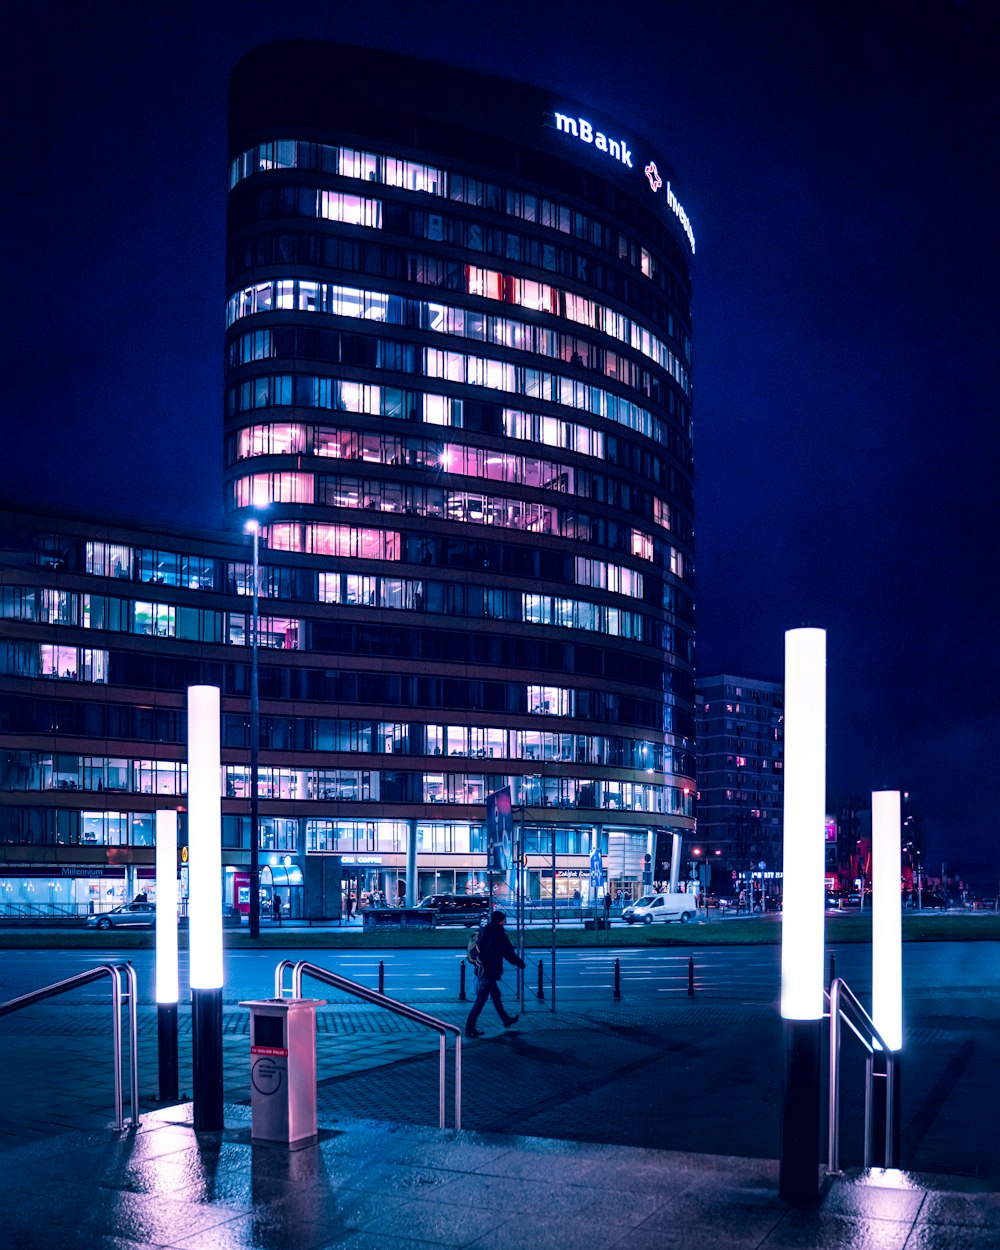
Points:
(583, 131)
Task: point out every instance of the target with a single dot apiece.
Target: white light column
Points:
(803, 909)
(205, 903)
(887, 969)
(166, 953)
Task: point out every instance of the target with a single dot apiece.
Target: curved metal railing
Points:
(844, 1005)
(304, 968)
(116, 972)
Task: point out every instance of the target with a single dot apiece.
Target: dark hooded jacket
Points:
(494, 947)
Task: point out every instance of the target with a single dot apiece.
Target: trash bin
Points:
(283, 1070)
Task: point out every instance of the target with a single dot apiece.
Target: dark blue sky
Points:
(839, 166)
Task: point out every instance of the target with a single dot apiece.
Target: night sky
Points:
(839, 165)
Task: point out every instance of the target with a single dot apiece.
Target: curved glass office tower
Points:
(458, 373)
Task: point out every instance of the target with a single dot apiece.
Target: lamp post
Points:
(253, 527)
(802, 918)
(205, 906)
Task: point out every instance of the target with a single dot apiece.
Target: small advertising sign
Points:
(499, 831)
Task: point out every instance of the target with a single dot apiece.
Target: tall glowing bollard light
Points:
(205, 904)
(166, 953)
(887, 972)
(803, 910)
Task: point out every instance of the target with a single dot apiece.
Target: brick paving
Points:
(685, 1075)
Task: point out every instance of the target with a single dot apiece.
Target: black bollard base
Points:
(461, 982)
(886, 1088)
(206, 1060)
(166, 1040)
(798, 1181)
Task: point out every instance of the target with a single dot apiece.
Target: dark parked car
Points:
(932, 901)
(467, 909)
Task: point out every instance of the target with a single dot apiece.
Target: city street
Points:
(960, 978)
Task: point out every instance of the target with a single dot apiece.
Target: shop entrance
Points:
(286, 882)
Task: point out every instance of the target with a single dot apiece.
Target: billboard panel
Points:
(499, 831)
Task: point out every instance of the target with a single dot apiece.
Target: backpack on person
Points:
(474, 953)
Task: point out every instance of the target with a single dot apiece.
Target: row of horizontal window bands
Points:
(461, 195)
(484, 643)
(57, 827)
(300, 672)
(26, 716)
(285, 163)
(347, 687)
(389, 363)
(553, 471)
(450, 238)
(641, 462)
(336, 249)
(394, 533)
(295, 583)
(652, 397)
(289, 194)
(184, 616)
(515, 322)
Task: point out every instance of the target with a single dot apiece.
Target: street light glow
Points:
(204, 838)
(166, 907)
(887, 919)
(804, 825)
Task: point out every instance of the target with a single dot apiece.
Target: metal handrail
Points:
(441, 1027)
(842, 1001)
(279, 977)
(115, 972)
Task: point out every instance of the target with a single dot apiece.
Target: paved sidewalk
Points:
(682, 1075)
(375, 1186)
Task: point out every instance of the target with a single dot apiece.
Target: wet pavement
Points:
(630, 1123)
(376, 1186)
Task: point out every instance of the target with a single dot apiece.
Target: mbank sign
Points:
(581, 129)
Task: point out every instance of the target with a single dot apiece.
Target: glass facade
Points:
(458, 375)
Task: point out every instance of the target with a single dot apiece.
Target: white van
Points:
(661, 908)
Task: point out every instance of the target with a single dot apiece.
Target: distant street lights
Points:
(253, 527)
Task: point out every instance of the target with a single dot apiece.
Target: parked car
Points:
(127, 916)
(931, 901)
(467, 909)
(661, 908)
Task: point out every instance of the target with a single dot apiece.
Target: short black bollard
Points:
(381, 977)
(833, 968)
(691, 977)
(618, 979)
(540, 993)
(461, 982)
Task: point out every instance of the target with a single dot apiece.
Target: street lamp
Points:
(252, 526)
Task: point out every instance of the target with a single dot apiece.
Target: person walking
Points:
(276, 907)
(607, 909)
(493, 946)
